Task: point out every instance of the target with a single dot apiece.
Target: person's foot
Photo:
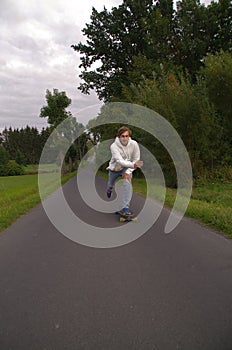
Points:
(126, 211)
(108, 192)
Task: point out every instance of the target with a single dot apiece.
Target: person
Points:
(125, 158)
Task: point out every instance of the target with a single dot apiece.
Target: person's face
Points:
(124, 138)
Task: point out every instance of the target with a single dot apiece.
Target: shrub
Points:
(11, 169)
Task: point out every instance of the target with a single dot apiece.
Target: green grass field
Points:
(20, 193)
(211, 203)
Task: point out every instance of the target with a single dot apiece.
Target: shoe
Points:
(108, 192)
(126, 211)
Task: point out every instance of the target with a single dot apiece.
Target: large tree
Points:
(115, 38)
(148, 33)
(200, 30)
(55, 110)
(64, 127)
(191, 38)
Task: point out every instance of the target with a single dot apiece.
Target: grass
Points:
(210, 203)
(20, 193)
(33, 168)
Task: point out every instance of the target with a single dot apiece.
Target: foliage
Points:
(65, 128)
(219, 174)
(217, 73)
(191, 40)
(4, 156)
(219, 26)
(151, 30)
(55, 110)
(24, 145)
(20, 158)
(113, 40)
(186, 106)
(11, 168)
(191, 109)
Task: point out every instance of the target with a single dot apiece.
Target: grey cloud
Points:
(32, 62)
(23, 42)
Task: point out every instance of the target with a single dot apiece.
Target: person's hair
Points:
(122, 130)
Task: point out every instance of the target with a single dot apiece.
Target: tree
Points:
(200, 30)
(20, 158)
(64, 130)
(187, 107)
(55, 110)
(219, 26)
(191, 41)
(29, 144)
(57, 102)
(4, 156)
(115, 38)
(23, 145)
(217, 74)
(152, 30)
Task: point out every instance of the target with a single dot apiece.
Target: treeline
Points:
(24, 145)
(20, 147)
(175, 61)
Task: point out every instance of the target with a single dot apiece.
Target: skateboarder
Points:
(125, 158)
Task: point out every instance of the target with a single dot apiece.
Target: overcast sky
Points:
(36, 54)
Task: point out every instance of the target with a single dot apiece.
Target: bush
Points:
(11, 169)
(220, 174)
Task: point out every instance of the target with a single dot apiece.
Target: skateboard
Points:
(126, 218)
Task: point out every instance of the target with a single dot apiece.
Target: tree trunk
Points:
(70, 164)
(63, 167)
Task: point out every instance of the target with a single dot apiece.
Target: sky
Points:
(36, 55)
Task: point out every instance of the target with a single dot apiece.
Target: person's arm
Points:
(135, 160)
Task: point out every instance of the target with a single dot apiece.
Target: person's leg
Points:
(127, 191)
(112, 177)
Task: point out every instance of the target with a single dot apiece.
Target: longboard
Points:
(126, 218)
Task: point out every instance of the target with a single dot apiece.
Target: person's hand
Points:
(126, 176)
(138, 164)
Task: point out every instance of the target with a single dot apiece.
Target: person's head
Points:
(124, 134)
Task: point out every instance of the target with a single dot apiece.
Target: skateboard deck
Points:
(126, 218)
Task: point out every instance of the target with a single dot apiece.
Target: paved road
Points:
(159, 292)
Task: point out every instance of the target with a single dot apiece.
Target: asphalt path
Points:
(158, 292)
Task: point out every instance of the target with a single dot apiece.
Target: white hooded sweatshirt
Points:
(124, 156)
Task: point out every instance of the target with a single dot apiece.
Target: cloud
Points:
(36, 54)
